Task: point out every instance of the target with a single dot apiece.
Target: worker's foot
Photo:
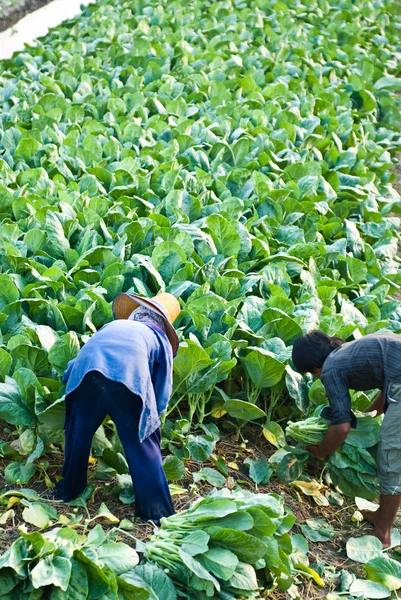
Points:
(383, 536)
(370, 515)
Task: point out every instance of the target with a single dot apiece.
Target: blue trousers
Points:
(86, 408)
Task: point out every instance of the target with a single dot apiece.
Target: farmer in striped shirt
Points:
(371, 362)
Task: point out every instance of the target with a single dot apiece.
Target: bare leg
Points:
(370, 515)
(383, 518)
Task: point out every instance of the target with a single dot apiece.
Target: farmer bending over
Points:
(371, 362)
(125, 371)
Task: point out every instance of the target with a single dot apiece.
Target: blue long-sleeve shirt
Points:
(134, 354)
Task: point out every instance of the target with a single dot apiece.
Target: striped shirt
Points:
(371, 362)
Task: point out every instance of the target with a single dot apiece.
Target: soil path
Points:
(12, 14)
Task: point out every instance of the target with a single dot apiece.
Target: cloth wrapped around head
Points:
(145, 315)
(164, 305)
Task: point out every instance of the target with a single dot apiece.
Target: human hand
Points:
(316, 451)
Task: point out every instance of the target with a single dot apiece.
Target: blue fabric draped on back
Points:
(134, 354)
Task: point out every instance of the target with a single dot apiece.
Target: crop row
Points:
(235, 154)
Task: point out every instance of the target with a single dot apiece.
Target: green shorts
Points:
(388, 455)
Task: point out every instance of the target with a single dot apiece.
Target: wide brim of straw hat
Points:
(163, 304)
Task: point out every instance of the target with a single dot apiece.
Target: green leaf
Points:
(263, 525)
(280, 325)
(5, 363)
(384, 570)
(20, 473)
(197, 569)
(307, 184)
(317, 530)
(159, 583)
(259, 470)
(368, 589)
(200, 447)
(174, 468)
(65, 349)
(241, 520)
(26, 148)
(25, 444)
(262, 369)
(168, 258)
(115, 460)
(212, 508)
(357, 269)
(51, 421)
(219, 561)
(297, 388)
(17, 557)
(52, 570)
(224, 234)
(96, 537)
(98, 584)
(117, 556)
(190, 359)
(212, 476)
(246, 547)
(78, 587)
(363, 549)
(195, 543)
(56, 236)
(290, 467)
(389, 82)
(243, 411)
(12, 408)
(8, 581)
(274, 434)
(28, 494)
(244, 578)
(36, 515)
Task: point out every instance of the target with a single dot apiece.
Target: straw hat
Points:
(163, 304)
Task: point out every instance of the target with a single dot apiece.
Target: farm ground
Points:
(330, 555)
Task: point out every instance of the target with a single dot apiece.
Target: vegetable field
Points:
(240, 156)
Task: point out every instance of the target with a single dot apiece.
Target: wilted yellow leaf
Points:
(230, 483)
(13, 500)
(64, 520)
(321, 500)
(357, 517)
(177, 490)
(104, 513)
(309, 488)
(218, 412)
(48, 482)
(313, 574)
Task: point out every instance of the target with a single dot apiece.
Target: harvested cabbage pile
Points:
(353, 466)
(229, 545)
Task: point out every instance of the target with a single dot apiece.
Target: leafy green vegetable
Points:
(157, 179)
(237, 155)
(62, 562)
(206, 547)
(317, 530)
(352, 467)
(364, 549)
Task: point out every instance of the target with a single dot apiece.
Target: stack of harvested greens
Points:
(352, 467)
(228, 545)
